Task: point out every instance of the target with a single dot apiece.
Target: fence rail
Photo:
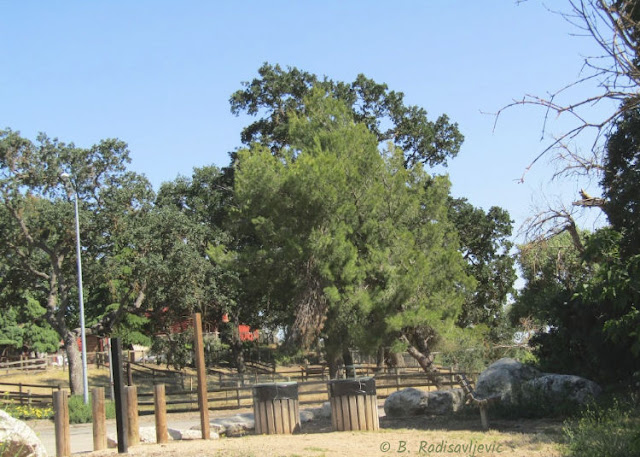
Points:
(225, 390)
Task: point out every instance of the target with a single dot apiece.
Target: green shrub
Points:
(606, 431)
(79, 413)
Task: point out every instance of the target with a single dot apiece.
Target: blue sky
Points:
(159, 74)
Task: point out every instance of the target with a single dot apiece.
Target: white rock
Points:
(17, 439)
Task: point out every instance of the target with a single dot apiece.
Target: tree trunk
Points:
(75, 363)
(425, 361)
(349, 369)
(236, 347)
(333, 360)
(380, 359)
(396, 360)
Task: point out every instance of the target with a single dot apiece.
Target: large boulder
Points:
(558, 388)
(414, 402)
(17, 439)
(516, 383)
(504, 379)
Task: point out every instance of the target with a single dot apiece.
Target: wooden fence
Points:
(24, 364)
(27, 394)
(228, 392)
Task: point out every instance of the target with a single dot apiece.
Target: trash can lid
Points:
(276, 391)
(359, 386)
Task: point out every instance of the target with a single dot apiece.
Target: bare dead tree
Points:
(551, 221)
(615, 27)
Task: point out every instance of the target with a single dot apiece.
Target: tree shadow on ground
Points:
(468, 421)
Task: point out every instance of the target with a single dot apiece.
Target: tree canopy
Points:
(346, 241)
(278, 95)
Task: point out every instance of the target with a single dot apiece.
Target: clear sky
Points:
(158, 75)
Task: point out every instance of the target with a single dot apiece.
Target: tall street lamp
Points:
(83, 338)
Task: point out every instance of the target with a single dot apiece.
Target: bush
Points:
(79, 413)
(606, 431)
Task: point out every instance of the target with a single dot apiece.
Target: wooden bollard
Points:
(160, 402)
(99, 419)
(354, 404)
(201, 372)
(133, 431)
(61, 420)
(276, 409)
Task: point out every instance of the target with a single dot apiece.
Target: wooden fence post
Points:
(61, 420)
(203, 402)
(132, 356)
(133, 432)
(162, 432)
(99, 419)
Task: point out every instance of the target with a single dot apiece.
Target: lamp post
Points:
(83, 339)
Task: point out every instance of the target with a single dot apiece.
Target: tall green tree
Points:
(584, 304)
(203, 201)
(345, 240)
(278, 95)
(621, 181)
(38, 234)
(485, 245)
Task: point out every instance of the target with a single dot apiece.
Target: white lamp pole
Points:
(83, 338)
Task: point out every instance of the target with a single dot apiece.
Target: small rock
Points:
(307, 415)
(189, 435)
(147, 434)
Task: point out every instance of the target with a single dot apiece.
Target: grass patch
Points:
(606, 431)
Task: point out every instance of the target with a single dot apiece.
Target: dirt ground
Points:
(412, 436)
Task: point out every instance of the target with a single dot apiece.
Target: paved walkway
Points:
(82, 434)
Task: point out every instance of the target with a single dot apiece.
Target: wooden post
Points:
(61, 419)
(121, 400)
(132, 357)
(133, 432)
(160, 402)
(203, 402)
(99, 419)
(484, 417)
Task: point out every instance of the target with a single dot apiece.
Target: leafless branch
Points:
(613, 27)
(552, 221)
